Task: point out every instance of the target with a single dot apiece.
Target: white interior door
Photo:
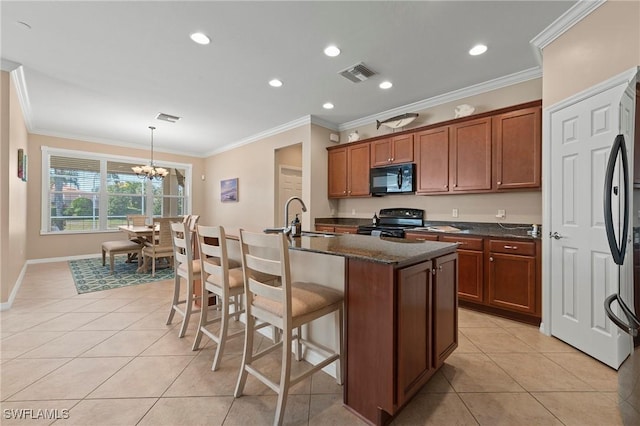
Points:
(290, 185)
(582, 272)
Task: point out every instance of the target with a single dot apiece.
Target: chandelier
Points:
(150, 171)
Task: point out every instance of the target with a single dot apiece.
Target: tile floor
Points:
(109, 359)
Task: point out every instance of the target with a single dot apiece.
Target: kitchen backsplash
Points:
(519, 207)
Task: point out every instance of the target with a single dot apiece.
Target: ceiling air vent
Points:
(167, 117)
(357, 73)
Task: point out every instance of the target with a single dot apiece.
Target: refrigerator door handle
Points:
(618, 249)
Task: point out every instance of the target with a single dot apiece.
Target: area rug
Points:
(89, 275)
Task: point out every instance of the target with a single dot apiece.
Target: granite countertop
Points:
(396, 251)
(480, 229)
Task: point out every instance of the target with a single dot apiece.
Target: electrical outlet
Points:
(501, 214)
(454, 213)
(353, 212)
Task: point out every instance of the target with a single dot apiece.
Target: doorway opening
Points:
(288, 182)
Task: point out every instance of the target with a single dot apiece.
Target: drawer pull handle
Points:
(421, 239)
(491, 259)
(461, 243)
(511, 247)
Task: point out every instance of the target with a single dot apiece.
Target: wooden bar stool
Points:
(217, 279)
(287, 307)
(187, 269)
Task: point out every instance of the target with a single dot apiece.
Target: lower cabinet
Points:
(340, 229)
(512, 276)
(500, 276)
(401, 324)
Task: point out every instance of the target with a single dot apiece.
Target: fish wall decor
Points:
(397, 121)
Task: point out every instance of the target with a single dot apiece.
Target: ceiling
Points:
(102, 71)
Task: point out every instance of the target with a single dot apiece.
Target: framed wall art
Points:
(229, 190)
(22, 165)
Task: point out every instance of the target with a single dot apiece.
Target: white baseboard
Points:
(7, 305)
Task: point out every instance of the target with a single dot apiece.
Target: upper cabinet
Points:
(432, 156)
(349, 171)
(471, 156)
(496, 151)
(517, 147)
(392, 150)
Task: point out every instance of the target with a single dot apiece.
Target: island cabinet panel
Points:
(445, 307)
(432, 156)
(512, 276)
(517, 148)
(415, 351)
(471, 156)
(339, 229)
(349, 171)
(420, 236)
(393, 150)
(401, 323)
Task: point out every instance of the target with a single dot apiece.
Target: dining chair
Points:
(221, 281)
(161, 246)
(287, 307)
(186, 268)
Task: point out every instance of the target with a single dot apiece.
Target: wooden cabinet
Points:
(512, 276)
(415, 320)
(470, 168)
(339, 229)
(349, 171)
(517, 145)
(420, 236)
(445, 308)
(431, 151)
(470, 266)
(393, 150)
(401, 323)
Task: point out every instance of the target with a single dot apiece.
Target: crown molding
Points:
(324, 123)
(8, 65)
(17, 76)
(567, 20)
(476, 89)
(262, 135)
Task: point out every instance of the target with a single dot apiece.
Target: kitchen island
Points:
(400, 313)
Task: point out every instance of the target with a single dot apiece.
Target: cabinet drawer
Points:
(512, 247)
(466, 243)
(420, 236)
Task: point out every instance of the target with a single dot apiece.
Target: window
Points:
(88, 192)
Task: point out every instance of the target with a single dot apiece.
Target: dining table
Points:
(142, 234)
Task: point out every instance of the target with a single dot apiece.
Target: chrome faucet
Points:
(287, 227)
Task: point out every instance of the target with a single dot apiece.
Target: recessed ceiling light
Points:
(332, 51)
(200, 38)
(327, 105)
(275, 83)
(386, 85)
(478, 49)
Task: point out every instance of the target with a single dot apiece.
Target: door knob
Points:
(555, 235)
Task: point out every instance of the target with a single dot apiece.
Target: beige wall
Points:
(605, 43)
(254, 165)
(13, 222)
(521, 207)
(51, 246)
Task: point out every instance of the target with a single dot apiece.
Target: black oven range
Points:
(393, 222)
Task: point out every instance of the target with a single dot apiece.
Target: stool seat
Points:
(119, 247)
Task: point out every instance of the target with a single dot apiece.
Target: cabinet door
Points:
(381, 152)
(471, 156)
(337, 173)
(517, 146)
(402, 149)
(432, 157)
(445, 307)
(512, 282)
(470, 275)
(414, 329)
(358, 170)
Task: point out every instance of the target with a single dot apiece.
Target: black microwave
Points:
(397, 179)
